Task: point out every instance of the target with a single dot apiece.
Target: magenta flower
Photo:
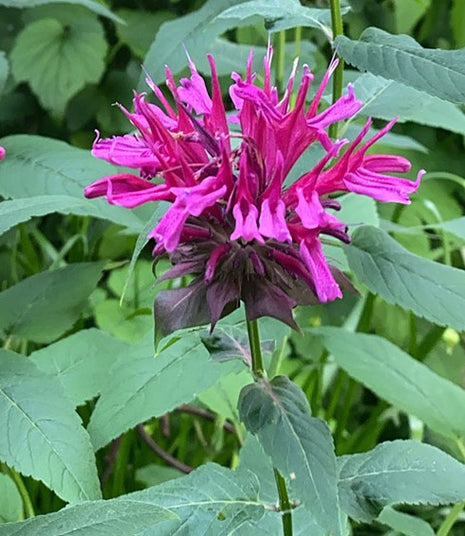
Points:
(232, 224)
(2, 152)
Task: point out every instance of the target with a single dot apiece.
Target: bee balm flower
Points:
(232, 223)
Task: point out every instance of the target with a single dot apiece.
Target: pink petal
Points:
(127, 190)
(325, 285)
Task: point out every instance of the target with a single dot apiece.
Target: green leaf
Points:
(387, 99)
(398, 472)
(300, 446)
(11, 506)
(429, 289)
(80, 362)
(37, 167)
(4, 68)
(440, 73)
(123, 321)
(124, 515)
(57, 59)
(406, 524)
(280, 14)
(43, 306)
(193, 32)
(212, 500)
(96, 7)
(145, 384)
(140, 27)
(42, 435)
(398, 378)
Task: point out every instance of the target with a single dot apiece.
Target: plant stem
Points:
(451, 518)
(255, 350)
(259, 372)
(27, 503)
(284, 503)
(336, 23)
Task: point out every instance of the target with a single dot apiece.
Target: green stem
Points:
(281, 59)
(259, 372)
(336, 23)
(284, 503)
(27, 503)
(451, 518)
(255, 350)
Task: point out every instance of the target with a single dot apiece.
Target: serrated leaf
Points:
(11, 506)
(300, 446)
(406, 524)
(57, 60)
(43, 436)
(125, 516)
(43, 306)
(192, 32)
(52, 168)
(440, 73)
(151, 386)
(398, 378)
(96, 7)
(398, 472)
(212, 500)
(280, 14)
(429, 289)
(80, 362)
(387, 99)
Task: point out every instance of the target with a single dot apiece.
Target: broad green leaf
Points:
(43, 306)
(253, 458)
(398, 472)
(300, 446)
(17, 211)
(42, 434)
(37, 167)
(387, 99)
(96, 7)
(80, 362)
(193, 32)
(48, 300)
(124, 515)
(280, 14)
(138, 28)
(398, 378)
(212, 500)
(4, 68)
(429, 289)
(406, 524)
(11, 505)
(153, 475)
(57, 59)
(151, 386)
(122, 321)
(440, 73)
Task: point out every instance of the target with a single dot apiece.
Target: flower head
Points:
(232, 224)
(2, 152)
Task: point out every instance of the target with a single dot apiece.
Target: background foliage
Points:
(374, 417)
